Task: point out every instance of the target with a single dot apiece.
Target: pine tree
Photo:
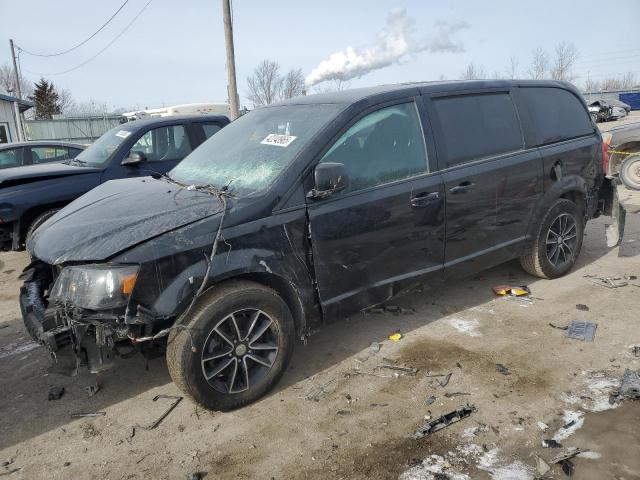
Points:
(46, 100)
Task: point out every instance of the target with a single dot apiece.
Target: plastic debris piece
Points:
(430, 400)
(395, 337)
(374, 347)
(582, 307)
(511, 291)
(551, 443)
(581, 330)
(444, 421)
(445, 382)
(55, 393)
(502, 369)
(92, 389)
(565, 327)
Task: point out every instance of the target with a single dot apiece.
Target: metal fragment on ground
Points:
(569, 453)
(500, 368)
(455, 394)
(174, 404)
(581, 330)
(55, 393)
(445, 382)
(91, 414)
(551, 443)
(629, 387)
(582, 307)
(411, 371)
(430, 400)
(558, 327)
(92, 389)
(609, 282)
(444, 421)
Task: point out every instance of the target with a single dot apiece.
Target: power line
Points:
(107, 46)
(78, 45)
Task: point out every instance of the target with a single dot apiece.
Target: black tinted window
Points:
(209, 129)
(382, 147)
(477, 126)
(557, 114)
(74, 152)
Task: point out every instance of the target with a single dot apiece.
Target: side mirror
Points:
(329, 178)
(134, 158)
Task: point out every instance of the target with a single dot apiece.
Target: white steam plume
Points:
(393, 43)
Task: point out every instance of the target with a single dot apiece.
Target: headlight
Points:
(95, 287)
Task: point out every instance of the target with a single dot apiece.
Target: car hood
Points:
(44, 171)
(118, 215)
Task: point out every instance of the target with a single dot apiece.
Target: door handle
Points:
(425, 198)
(464, 187)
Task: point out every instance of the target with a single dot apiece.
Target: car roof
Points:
(346, 97)
(200, 117)
(42, 143)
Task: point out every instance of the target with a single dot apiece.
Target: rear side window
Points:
(557, 114)
(48, 154)
(477, 126)
(9, 158)
(209, 129)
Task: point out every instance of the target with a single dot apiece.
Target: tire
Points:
(189, 347)
(39, 220)
(630, 172)
(540, 258)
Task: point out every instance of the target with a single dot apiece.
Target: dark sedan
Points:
(37, 152)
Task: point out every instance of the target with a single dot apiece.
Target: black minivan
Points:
(308, 211)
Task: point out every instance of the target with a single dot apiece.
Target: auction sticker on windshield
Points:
(278, 140)
(123, 134)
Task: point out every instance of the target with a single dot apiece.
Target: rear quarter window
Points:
(477, 126)
(557, 114)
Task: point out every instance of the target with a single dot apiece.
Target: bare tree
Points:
(512, 69)
(265, 84)
(292, 84)
(539, 65)
(8, 82)
(66, 101)
(473, 73)
(591, 85)
(566, 55)
(334, 85)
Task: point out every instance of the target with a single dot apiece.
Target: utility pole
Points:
(231, 61)
(15, 69)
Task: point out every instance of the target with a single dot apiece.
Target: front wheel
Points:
(558, 242)
(234, 347)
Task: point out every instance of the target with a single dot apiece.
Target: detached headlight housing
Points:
(95, 287)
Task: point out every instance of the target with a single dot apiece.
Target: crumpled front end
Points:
(75, 336)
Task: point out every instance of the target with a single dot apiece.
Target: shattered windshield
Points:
(101, 150)
(250, 153)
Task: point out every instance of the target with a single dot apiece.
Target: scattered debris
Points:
(582, 307)
(455, 394)
(566, 455)
(430, 400)
(55, 393)
(378, 404)
(581, 330)
(502, 369)
(444, 421)
(445, 382)
(573, 421)
(508, 290)
(543, 426)
(317, 393)
(565, 327)
(93, 414)
(629, 387)
(174, 404)
(395, 337)
(373, 311)
(374, 347)
(399, 310)
(344, 413)
(410, 371)
(551, 443)
(459, 365)
(89, 431)
(92, 389)
(635, 350)
(542, 466)
(195, 476)
(609, 282)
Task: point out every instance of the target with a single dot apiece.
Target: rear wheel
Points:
(558, 242)
(234, 347)
(630, 172)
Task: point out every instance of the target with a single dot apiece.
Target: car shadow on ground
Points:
(24, 380)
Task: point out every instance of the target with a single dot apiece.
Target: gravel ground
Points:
(337, 414)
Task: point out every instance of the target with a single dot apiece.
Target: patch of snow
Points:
(433, 464)
(517, 470)
(599, 390)
(470, 450)
(470, 327)
(577, 417)
(16, 348)
(590, 455)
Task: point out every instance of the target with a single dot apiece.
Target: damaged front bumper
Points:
(74, 337)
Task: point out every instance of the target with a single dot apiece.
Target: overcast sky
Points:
(174, 52)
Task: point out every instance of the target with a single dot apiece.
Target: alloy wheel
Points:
(562, 238)
(240, 350)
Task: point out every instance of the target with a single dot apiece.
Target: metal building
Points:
(72, 129)
(9, 121)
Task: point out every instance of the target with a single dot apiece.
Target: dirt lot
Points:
(337, 415)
